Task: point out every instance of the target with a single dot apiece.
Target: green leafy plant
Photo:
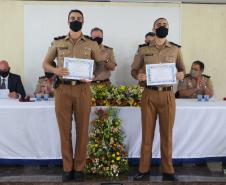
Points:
(106, 152)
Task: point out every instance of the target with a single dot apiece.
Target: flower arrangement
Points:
(109, 95)
(106, 152)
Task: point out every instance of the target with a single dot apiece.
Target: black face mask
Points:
(99, 40)
(48, 75)
(4, 73)
(161, 32)
(76, 26)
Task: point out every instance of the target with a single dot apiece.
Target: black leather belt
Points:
(70, 82)
(159, 88)
(100, 81)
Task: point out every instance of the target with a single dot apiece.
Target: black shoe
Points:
(169, 177)
(140, 176)
(79, 176)
(67, 176)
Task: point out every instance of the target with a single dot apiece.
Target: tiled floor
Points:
(187, 174)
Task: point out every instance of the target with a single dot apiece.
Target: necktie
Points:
(3, 86)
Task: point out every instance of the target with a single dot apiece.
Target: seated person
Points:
(195, 83)
(10, 81)
(45, 83)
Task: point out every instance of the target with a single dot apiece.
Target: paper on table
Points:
(4, 93)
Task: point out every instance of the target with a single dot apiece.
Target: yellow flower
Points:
(112, 161)
(131, 101)
(117, 153)
(113, 155)
(106, 103)
(123, 88)
(96, 145)
(118, 158)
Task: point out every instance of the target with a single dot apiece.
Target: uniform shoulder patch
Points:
(60, 37)
(88, 37)
(41, 77)
(207, 76)
(107, 47)
(143, 45)
(175, 44)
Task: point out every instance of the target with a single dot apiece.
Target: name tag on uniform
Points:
(161, 74)
(63, 48)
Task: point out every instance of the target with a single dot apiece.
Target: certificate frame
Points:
(74, 64)
(166, 74)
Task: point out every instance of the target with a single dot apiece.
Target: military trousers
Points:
(153, 103)
(69, 100)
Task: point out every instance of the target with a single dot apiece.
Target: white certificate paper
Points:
(161, 74)
(79, 68)
(4, 93)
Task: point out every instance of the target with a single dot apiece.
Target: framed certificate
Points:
(161, 74)
(79, 68)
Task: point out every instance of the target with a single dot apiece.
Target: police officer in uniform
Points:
(157, 100)
(72, 96)
(46, 83)
(103, 69)
(195, 83)
(149, 37)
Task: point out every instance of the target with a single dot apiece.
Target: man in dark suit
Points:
(10, 81)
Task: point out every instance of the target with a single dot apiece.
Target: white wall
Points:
(124, 28)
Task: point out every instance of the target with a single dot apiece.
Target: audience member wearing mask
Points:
(195, 83)
(102, 71)
(45, 83)
(10, 81)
